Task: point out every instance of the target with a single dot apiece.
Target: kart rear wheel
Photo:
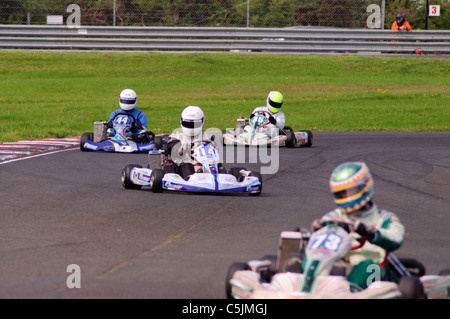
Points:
(257, 175)
(444, 272)
(156, 180)
(126, 182)
(158, 142)
(290, 139)
(231, 270)
(83, 138)
(411, 288)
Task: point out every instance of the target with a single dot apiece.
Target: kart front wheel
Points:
(235, 171)
(414, 266)
(411, 288)
(156, 180)
(126, 181)
(233, 268)
(259, 177)
(83, 138)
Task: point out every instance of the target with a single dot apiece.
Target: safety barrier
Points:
(271, 40)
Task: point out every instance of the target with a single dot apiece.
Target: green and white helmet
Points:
(274, 101)
(352, 186)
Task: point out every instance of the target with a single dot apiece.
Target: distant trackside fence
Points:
(270, 40)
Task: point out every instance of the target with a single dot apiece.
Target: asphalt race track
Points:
(68, 207)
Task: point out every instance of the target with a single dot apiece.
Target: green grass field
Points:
(61, 94)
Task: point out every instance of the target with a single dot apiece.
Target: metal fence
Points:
(275, 40)
(201, 13)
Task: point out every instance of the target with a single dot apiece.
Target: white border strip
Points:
(37, 155)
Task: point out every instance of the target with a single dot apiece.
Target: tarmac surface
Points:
(67, 207)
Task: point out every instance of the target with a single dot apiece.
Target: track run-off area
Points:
(65, 207)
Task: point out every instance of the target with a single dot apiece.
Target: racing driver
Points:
(127, 103)
(276, 116)
(181, 144)
(352, 186)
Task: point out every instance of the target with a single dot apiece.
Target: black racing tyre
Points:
(126, 182)
(257, 175)
(444, 272)
(230, 273)
(156, 180)
(310, 138)
(83, 138)
(411, 287)
(235, 172)
(290, 139)
(414, 266)
(158, 142)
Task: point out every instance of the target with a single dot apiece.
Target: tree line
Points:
(223, 13)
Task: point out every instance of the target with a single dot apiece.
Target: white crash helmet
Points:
(127, 99)
(274, 101)
(192, 119)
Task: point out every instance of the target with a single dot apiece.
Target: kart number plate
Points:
(329, 241)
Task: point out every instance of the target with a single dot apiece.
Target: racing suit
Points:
(389, 236)
(272, 129)
(139, 126)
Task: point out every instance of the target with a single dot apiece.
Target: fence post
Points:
(248, 13)
(114, 13)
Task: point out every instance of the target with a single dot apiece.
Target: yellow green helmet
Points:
(274, 101)
(352, 186)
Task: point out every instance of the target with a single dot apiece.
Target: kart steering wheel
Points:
(122, 113)
(135, 124)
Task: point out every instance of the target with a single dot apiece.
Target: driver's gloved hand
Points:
(364, 231)
(316, 225)
(138, 124)
(272, 120)
(110, 124)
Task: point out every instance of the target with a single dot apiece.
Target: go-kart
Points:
(207, 178)
(122, 123)
(314, 266)
(253, 132)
